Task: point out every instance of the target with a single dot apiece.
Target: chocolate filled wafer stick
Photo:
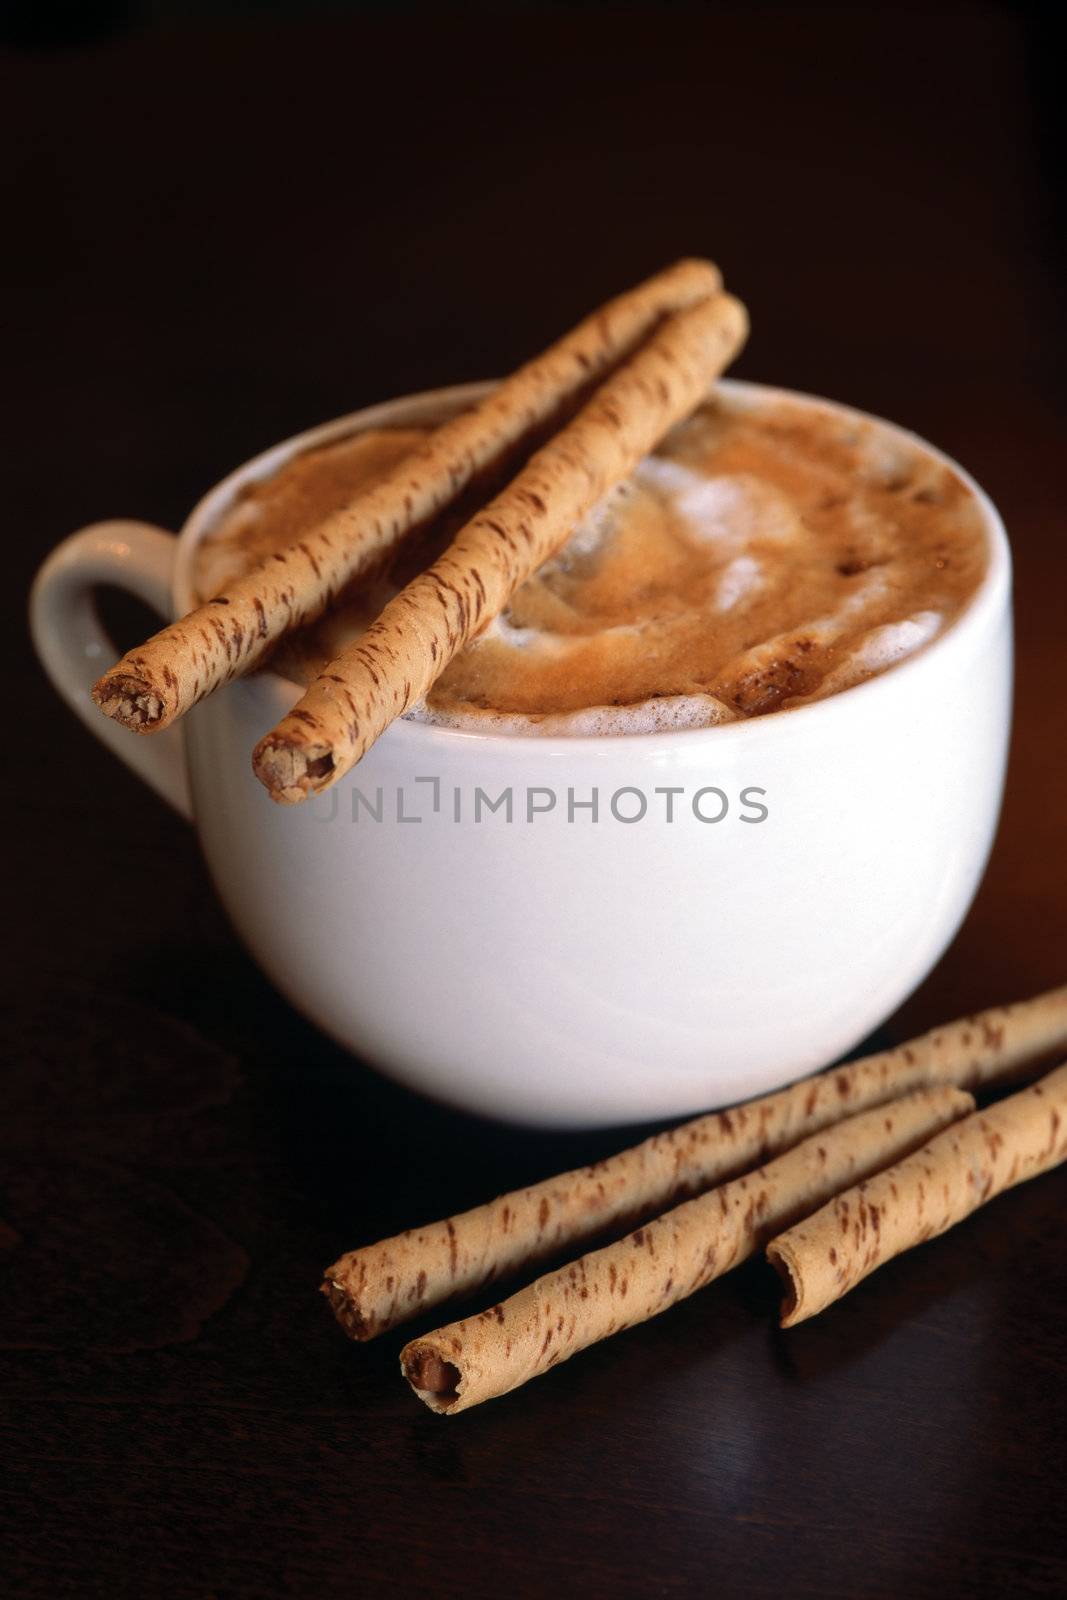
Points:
(232, 633)
(824, 1257)
(664, 1261)
(390, 668)
(382, 1285)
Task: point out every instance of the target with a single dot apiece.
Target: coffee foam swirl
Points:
(768, 554)
(646, 716)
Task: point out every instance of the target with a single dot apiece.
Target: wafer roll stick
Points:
(232, 633)
(824, 1257)
(382, 1285)
(397, 660)
(662, 1262)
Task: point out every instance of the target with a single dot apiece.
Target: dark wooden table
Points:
(219, 235)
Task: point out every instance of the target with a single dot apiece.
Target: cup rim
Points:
(279, 693)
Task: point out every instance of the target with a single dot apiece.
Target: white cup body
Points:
(551, 968)
(564, 971)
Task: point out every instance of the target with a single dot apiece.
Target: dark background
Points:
(225, 224)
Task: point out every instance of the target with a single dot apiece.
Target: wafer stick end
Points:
(792, 1310)
(132, 701)
(435, 1380)
(347, 1311)
(289, 771)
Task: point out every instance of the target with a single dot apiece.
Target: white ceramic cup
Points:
(557, 969)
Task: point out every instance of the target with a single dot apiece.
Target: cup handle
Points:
(75, 650)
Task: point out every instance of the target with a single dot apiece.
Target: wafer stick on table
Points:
(829, 1253)
(231, 634)
(382, 1285)
(662, 1262)
(386, 671)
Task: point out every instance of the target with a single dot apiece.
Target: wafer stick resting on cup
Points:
(662, 1262)
(402, 654)
(824, 1257)
(233, 632)
(382, 1285)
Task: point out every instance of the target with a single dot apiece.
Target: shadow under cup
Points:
(591, 930)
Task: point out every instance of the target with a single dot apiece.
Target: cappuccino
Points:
(767, 554)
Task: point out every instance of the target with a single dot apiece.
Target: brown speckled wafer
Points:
(229, 635)
(663, 1261)
(821, 1259)
(396, 661)
(382, 1285)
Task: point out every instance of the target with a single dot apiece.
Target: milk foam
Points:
(766, 555)
(646, 716)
